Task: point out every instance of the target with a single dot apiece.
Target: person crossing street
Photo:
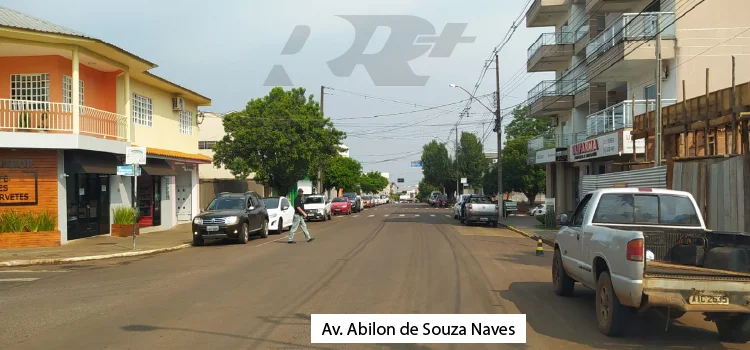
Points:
(299, 219)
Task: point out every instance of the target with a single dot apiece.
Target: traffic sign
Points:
(135, 155)
(416, 164)
(400, 180)
(127, 170)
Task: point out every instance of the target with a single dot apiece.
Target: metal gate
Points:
(650, 178)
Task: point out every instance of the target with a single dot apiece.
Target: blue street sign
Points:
(127, 170)
(417, 164)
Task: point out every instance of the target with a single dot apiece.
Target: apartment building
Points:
(70, 104)
(603, 54)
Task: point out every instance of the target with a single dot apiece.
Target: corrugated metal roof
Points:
(15, 19)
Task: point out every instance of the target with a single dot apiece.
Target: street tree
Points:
(518, 175)
(373, 182)
(525, 125)
(342, 172)
(437, 166)
(424, 189)
(472, 164)
(279, 137)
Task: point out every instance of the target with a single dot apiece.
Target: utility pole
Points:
(458, 168)
(320, 167)
(499, 127)
(657, 118)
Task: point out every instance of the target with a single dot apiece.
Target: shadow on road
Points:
(147, 328)
(573, 319)
(527, 258)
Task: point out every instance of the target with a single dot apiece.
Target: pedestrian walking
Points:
(299, 219)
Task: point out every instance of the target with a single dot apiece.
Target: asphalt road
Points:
(397, 258)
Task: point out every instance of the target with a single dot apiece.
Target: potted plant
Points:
(28, 229)
(124, 219)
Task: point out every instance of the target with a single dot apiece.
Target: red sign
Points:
(586, 147)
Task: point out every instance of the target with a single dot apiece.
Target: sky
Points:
(226, 49)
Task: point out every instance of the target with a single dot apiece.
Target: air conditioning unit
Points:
(178, 104)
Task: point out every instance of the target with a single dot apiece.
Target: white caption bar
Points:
(418, 328)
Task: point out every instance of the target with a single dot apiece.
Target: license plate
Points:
(212, 228)
(337, 209)
(705, 298)
(483, 219)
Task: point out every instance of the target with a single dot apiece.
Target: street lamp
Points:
(498, 123)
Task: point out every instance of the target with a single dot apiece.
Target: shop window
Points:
(142, 110)
(68, 90)
(30, 87)
(186, 122)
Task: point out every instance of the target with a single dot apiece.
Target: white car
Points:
(537, 210)
(318, 207)
(457, 206)
(280, 213)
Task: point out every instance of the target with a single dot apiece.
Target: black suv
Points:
(355, 200)
(231, 215)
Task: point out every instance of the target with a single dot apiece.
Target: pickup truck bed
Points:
(663, 269)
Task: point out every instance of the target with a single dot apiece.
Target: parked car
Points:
(479, 208)
(457, 206)
(280, 213)
(431, 198)
(441, 201)
(641, 249)
(368, 202)
(537, 210)
(318, 207)
(355, 200)
(341, 205)
(231, 216)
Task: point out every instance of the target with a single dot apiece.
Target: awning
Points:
(157, 167)
(89, 162)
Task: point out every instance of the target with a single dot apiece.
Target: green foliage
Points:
(489, 181)
(373, 182)
(550, 218)
(342, 172)
(542, 218)
(14, 221)
(124, 215)
(518, 175)
(425, 189)
(472, 163)
(524, 125)
(437, 166)
(281, 137)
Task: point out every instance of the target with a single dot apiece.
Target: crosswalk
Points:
(9, 277)
(390, 215)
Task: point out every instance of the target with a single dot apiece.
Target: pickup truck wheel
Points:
(560, 280)
(244, 235)
(734, 329)
(264, 229)
(610, 314)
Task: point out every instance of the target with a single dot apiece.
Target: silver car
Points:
(457, 206)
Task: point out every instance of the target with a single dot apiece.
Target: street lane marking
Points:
(432, 214)
(356, 216)
(386, 215)
(416, 214)
(275, 240)
(401, 215)
(35, 271)
(369, 216)
(18, 279)
(446, 215)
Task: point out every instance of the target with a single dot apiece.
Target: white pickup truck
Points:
(643, 249)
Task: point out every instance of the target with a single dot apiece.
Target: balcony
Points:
(627, 45)
(551, 52)
(550, 97)
(57, 118)
(620, 116)
(581, 39)
(609, 6)
(547, 13)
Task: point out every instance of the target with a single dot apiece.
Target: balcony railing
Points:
(558, 38)
(620, 116)
(55, 117)
(555, 141)
(630, 27)
(581, 32)
(548, 88)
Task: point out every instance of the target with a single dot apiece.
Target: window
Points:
(142, 110)
(285, 203)
(480, 200)
(186, 122)
(206, 144)
(649, 92)
(68, 90)
(677, 211)
(646, 209)
(581, 211)
(29, 87)
(614, 209)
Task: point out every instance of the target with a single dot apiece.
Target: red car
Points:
(341, 205)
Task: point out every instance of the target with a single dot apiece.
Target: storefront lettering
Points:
(586, 147)
(16, 163)
(11, 193)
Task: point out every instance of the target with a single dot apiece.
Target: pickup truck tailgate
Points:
(482, 209)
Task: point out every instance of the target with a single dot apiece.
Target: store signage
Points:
(546, 156)
(602, 146)
(16, 163)
(19, 187)
(561, 155)
(627, 144)
(127, 170)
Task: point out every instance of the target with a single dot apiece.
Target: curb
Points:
(12, 263)
(546, 241)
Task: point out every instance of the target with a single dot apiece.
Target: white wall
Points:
(120, 194)
(637, 84)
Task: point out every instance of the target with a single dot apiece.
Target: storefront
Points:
(150, 191)
(559, 176)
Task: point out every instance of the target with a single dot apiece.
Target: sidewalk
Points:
(528, 224)
(100, 247)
